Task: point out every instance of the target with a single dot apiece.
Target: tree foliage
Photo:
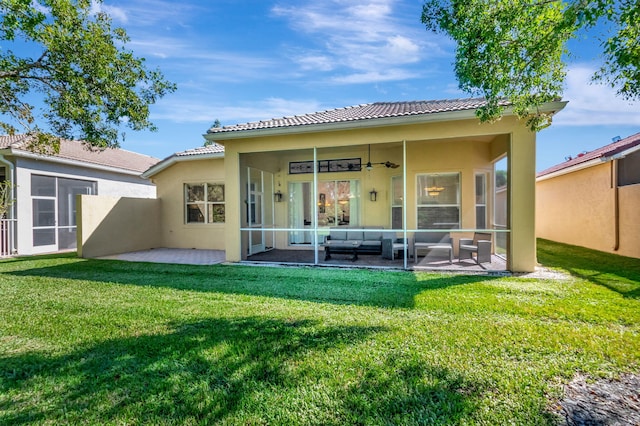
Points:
(515, 50)
(90, 83)
(6, 197)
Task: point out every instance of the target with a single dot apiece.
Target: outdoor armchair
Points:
(480, 244)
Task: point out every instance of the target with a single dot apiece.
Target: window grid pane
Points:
(481, 201)
(204, 203)
(438, 197)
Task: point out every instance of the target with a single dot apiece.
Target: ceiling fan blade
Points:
(390, 165)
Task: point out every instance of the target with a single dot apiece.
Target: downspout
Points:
(616, 204)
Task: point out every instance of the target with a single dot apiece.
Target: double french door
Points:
(337, 204)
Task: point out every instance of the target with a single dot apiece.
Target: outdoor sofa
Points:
(340, 238)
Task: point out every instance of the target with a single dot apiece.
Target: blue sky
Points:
(239, 61)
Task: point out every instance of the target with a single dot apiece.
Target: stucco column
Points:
(522, 200)
(233, 241)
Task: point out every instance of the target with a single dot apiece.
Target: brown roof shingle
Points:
(81, 152)
(602, 152)
(361, 112)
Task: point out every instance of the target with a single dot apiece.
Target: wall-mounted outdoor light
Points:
(373, 195)
(277, 196)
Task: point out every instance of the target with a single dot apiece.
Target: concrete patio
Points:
(172, 255)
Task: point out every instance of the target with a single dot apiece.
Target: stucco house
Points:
(282, 185)
(593, 200)
(42, 217)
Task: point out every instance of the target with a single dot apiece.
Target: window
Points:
(438, 199)
(396, 202)
(204, 203)
(481, 201)
(338, 203)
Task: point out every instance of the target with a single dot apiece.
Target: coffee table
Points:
(342, 247)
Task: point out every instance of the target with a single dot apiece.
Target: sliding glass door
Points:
(338, 204)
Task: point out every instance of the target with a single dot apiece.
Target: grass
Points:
(108, 342)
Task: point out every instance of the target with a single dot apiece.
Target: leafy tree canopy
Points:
(90, 84)
(216, 124)
(515, 49)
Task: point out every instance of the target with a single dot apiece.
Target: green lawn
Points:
(108, 342)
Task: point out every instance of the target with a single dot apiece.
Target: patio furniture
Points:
(342, 246)
(480, 244)
(432, 241)
(391, 245)
(370, 241)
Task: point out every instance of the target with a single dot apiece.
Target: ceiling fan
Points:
(387, 164)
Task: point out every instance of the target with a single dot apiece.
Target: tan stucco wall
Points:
(174, 232)
(578, 208)
(629, 220)
(462, 145)
(110, 225)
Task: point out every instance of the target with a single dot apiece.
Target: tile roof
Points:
(203, 150)
(361, 112)
(600, 153)
(210, 151)
(81, 152)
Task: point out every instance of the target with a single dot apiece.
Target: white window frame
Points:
(208, 205)
(485, 177)
(457, 204)
(393, 199)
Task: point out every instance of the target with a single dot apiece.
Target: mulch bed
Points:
(602, 402)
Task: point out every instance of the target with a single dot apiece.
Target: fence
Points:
(7, 237)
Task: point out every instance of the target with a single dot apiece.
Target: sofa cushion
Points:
(354, 234)
(338, 234)
(373, 235)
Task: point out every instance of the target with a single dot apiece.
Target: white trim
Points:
(572, 169)
(157, 168)
(590, 163)
(363, 123)
(622, 154)
(70, 162)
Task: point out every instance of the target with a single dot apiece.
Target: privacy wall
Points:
(111, 225)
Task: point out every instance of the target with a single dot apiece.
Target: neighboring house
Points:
(43, 216)
(593, 200)
(283, 183)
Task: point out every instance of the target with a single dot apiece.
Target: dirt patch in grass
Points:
(601, 402)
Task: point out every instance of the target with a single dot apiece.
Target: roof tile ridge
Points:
(22, 139)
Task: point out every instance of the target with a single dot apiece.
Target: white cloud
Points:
(374, 76)
(150, 12)
(594, 104)
(361, 38)
(315, 62)
(402, 48)
(199, 111)
(116, 13)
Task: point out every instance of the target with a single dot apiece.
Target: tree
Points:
(6, 198)
(91, 84)
(216, 124)
(515, 50)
